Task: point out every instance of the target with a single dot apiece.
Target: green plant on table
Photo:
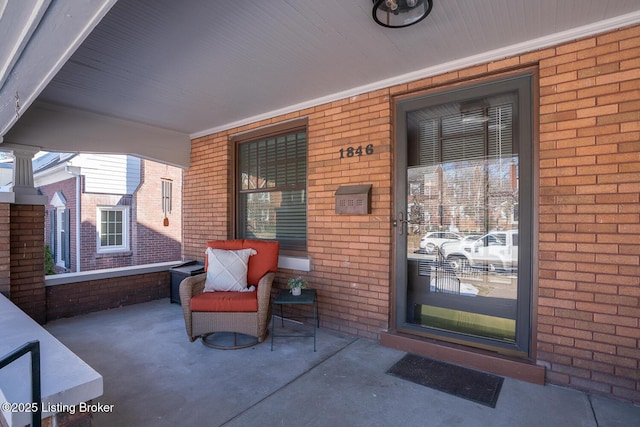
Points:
(297, 282)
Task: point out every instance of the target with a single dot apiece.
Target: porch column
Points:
(26, 236)
(23, 188)
(5, 208)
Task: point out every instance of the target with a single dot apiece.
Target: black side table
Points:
(308, 296)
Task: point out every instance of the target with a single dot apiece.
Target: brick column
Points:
(65, 419)
(27, 289)
(24, 235)
(5, 266)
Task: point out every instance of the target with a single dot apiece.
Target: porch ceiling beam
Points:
(38, 37)
(63, 129)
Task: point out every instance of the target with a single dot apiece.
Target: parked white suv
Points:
(497, 250)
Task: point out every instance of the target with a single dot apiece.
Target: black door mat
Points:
(476, 386)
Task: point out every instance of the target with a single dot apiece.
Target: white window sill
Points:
(294, 263)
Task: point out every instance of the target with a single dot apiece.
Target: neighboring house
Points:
(107, 211)
(6, 174)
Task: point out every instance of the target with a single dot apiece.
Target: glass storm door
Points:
(463, 223)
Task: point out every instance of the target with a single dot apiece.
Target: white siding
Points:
(109, 173)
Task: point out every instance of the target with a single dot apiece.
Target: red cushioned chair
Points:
(248, 313)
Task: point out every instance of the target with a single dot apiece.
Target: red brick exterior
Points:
(90, 259)
(27, 260)
(589, 286)
(78, 298)
(68, 189)
(64, 419)
(5, 251)
(155, 241)
(587, 282)
(353, 288)
(150, 240)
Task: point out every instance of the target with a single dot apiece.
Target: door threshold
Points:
(483, 360)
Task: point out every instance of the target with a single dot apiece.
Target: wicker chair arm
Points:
(190, 287)
(264, 289)
(264, 304)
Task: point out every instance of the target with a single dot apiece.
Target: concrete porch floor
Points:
(155, 377)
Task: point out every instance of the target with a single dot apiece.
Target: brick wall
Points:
(90, 259)
(151, 241)
(68, 190)
(5, 252)
(27, 260)
(588, 288)
(350, 253)
(78, 298)
(64, 419)
(155, 241)
(589, 330)
(206, 195)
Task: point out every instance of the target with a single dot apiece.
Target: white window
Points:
(113, 228)
(60, 229)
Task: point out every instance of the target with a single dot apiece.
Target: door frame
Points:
(528, 162)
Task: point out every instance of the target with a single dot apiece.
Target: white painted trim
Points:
(108, 273)
(28, 28)
(78, 218)
(294, 263)
(126, 223)
(52, 175)
(3, 5)
(7, 197)
(481, 58)
(59, 213)
(35, 91)
(62, 127)
(58, 200)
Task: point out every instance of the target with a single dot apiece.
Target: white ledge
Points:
(294, 263)
(108, 273)
(65, 378)
(7, 197)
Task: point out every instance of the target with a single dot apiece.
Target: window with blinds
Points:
(479, 134)
(463, 171)
(272, 189)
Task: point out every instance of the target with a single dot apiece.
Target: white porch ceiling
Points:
(191, 67)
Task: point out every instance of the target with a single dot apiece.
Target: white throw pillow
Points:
(227, 270)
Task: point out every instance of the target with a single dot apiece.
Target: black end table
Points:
(309, 297)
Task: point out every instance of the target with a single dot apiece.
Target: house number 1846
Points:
(356, 151)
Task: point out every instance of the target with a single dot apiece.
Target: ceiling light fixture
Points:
(400, 13)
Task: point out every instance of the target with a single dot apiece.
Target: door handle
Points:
(400, 223)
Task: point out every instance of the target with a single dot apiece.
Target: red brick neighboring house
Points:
(106, 211)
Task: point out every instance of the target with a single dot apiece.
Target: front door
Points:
(463, 215)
